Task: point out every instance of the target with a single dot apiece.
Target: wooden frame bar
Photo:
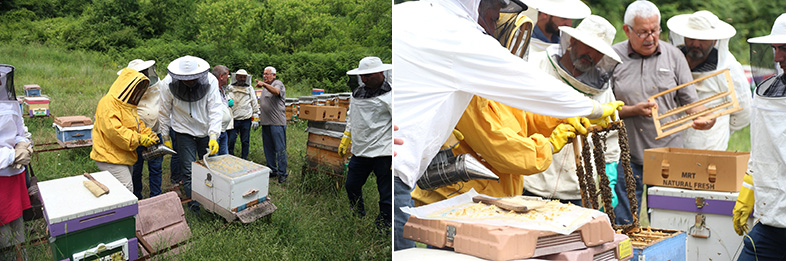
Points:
(709, 113)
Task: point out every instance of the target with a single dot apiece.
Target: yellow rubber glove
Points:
(213, 144)
(561, 135)
(744, 206)
(148, 140)
(579, 123)
(608, 111)
(344, 145)
(167, 141)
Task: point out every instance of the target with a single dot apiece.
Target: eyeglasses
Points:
(643, 35)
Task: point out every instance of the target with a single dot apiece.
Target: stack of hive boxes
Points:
(326, 123)
(35, 103)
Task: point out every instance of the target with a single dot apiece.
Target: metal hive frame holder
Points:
(685, 122)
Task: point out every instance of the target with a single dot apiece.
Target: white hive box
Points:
(227, 184)
(684, 209)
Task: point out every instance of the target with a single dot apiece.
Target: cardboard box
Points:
(322, 113)
(695, 169)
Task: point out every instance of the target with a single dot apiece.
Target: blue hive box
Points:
(669, 248)
(74, 131)
(32, 90)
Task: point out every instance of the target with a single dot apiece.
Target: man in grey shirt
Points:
(274, 123)
(649, 66)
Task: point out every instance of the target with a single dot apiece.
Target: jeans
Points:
(576, 202)
(359, 169)
(274, 142)
(244, 128)
(189, 149)
(153, 171)
(403, 199)
(622, 213)
(175, 172)
(222, 144)
(767, 243)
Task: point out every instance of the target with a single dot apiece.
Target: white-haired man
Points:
(649, 66)
(444, 58)
(767, 165)
(274, 123)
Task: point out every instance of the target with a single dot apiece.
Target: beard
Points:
(696, 53)
(580, 63)
(551, 28)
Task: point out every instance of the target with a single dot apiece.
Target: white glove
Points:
(254, 125)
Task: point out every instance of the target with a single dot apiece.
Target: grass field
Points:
(313, 220)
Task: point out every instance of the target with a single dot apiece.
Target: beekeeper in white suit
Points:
(370, 130)
(704, 39)
(148, 113)
(583, 60)
(766, 178)
(443, 57)
(245, 110)
(191, 105)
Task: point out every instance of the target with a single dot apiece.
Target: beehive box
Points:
(32, 90)
(37, 106)
(695, 169)
(505, 243)
(668, 247)
(74, 131)
(344, 99)
(78, 221)
(322, 145)
(227, 185)
(706, 217)
(322, 113)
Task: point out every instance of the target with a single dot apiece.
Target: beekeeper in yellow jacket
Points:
(117, 130)
(508, 141)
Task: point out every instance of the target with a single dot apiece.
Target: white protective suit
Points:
(444, 58)
(717, 138)
(560, 180)
(10, 135)
(371, 125)
(768, 157)
(149, 105)
(198, 118)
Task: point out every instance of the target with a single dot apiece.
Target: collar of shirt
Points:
(537, 33)
(632, 53)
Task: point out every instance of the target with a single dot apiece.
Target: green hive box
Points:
(84, 227)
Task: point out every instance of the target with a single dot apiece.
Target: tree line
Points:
(312, 43)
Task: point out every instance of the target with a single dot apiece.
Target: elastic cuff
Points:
(213, 136)
(597, 110)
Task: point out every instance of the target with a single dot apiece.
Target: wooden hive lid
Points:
(32, 87)
(71, 121)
